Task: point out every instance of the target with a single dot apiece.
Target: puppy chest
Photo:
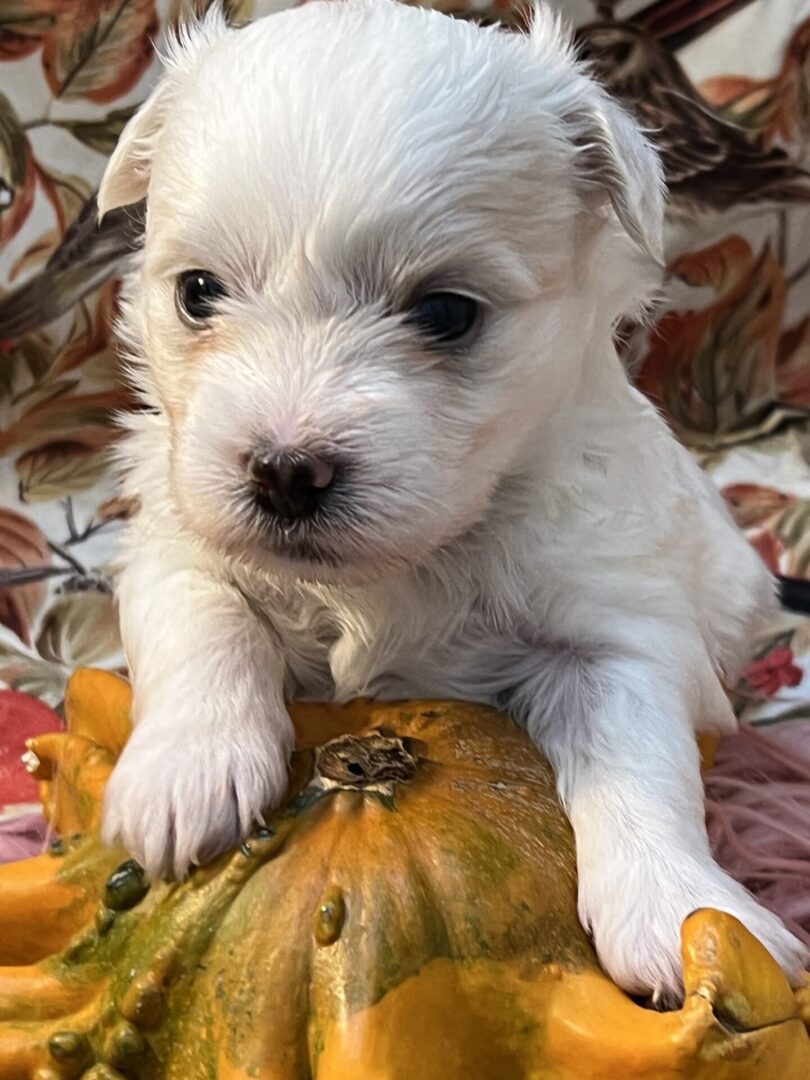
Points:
(331, 658)
(306, 638)
(327, 661)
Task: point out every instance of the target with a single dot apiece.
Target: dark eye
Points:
(197, 295)
(447, 317)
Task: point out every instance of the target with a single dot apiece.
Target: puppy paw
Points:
(182, 793)
(636, 924)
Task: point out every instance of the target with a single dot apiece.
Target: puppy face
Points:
(378, 242)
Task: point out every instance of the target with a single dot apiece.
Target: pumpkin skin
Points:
(409, 914)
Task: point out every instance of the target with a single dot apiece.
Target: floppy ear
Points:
(126, 178)
(613, 159)
(616, 161)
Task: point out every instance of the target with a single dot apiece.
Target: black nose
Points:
(291, 485)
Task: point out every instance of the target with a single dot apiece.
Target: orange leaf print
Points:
(758, 104)
(770, 549)
(23, 23)
(713, 371)
(62, 467)
(778, 109)
(87, 418)
(777, 524)
(99, 49)
(793, 365)
(720, 266)
(22, 545)
(753, 504)
(94, 338)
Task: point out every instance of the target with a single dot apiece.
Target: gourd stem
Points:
(362, 761)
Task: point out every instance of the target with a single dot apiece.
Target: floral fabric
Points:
(723, 87)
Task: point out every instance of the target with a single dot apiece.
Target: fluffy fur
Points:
(518, 526)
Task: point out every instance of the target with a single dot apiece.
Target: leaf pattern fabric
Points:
(722, 85)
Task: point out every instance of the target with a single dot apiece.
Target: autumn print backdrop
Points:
(723, 86)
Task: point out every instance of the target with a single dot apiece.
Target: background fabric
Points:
(723, 86)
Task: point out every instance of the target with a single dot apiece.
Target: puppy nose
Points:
(291, 484)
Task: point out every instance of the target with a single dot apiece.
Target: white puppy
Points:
(390, 449)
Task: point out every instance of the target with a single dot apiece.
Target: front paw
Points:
(636, 917)
(183, 792)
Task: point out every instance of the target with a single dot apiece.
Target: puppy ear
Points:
(126, 178)
(614, 159)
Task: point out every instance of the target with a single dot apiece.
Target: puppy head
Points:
(380, 245)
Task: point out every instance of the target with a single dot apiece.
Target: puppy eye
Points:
(445, 316)
(197, 295)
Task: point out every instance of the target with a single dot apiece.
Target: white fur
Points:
(521, 526)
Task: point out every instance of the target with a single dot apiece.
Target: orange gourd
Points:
(409, 914)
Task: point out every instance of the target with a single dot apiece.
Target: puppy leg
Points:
(618, 732)
(212, 737)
